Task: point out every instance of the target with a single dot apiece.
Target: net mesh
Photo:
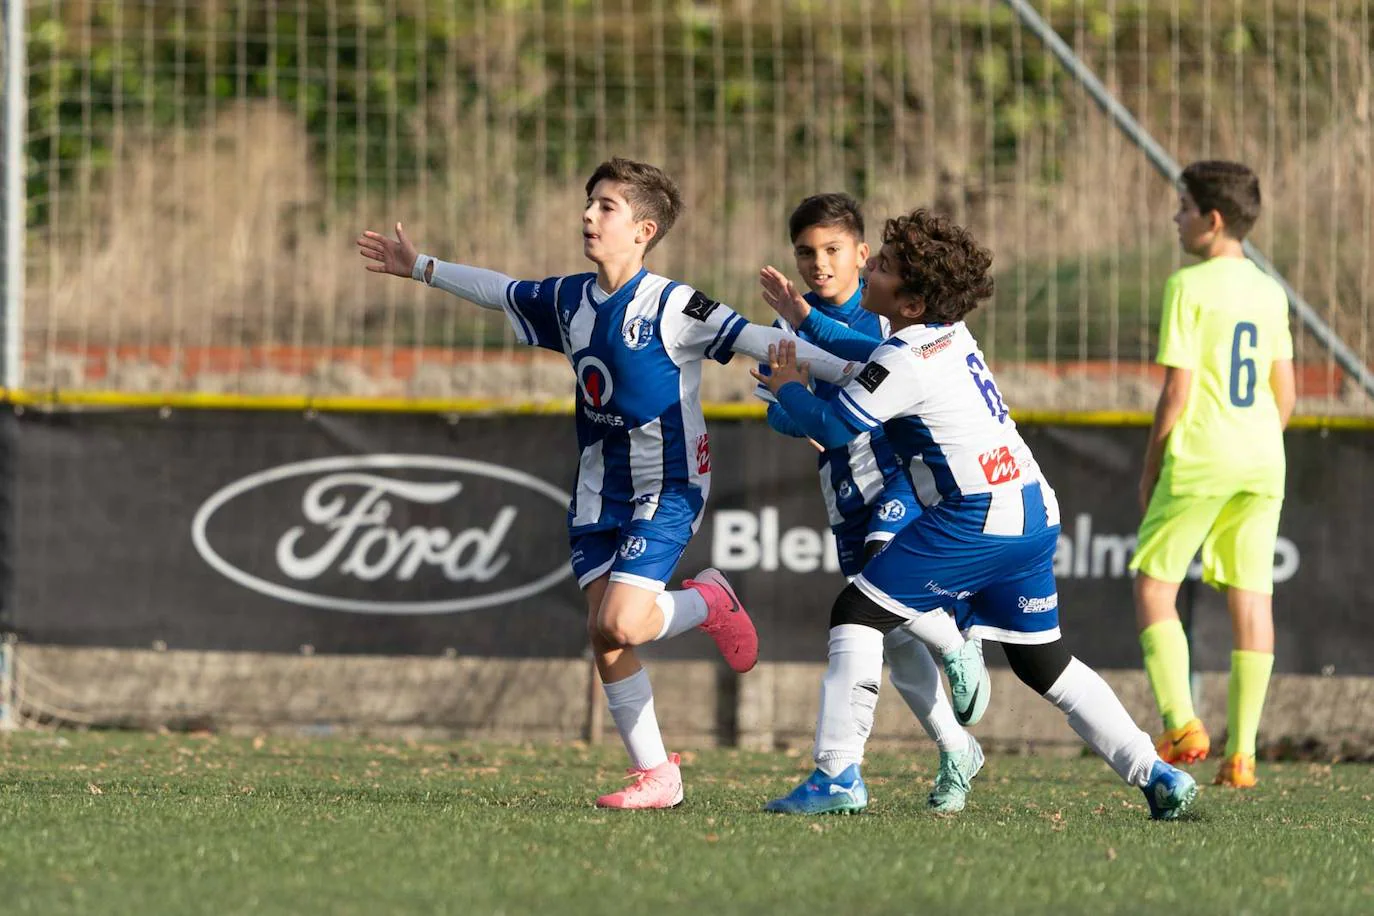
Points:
(198, 172)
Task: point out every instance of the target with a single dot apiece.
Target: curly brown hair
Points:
(940, 263)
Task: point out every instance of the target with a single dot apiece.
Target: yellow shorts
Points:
(1237, 534)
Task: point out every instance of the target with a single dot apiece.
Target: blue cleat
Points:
(822, 794)
(1169, 792)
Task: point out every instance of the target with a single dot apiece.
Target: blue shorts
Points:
(641, 551)
(943, 559)
(884, 518)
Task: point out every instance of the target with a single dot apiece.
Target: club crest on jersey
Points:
(633, 547)
(845, 489)
(595, 381)
(891, 511)
(872, 377)
(699, 307)
(999, 466)
(704, 454)
(638, 332)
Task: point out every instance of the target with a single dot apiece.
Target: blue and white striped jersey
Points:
(929, 387)
(637, 356)
(856, 475)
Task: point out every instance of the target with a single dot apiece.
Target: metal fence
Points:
(197, 171)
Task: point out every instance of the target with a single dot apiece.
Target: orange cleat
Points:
(1188, 743)
(1236, 772)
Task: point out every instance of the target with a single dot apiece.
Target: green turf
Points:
(143, 824)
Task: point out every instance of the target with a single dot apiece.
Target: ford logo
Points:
(386, 534)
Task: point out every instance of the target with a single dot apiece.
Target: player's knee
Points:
(616, 625)
(1038, 667)
(613, 633)
(853, 606)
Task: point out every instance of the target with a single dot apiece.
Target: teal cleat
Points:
(821, 794)
(957, 769)
(970, 688)
(1169, 792)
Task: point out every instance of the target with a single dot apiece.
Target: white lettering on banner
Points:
(1086, 554)
(352, 504)
(405, 551)
(741, 539)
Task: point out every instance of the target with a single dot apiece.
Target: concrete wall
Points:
(699, 703)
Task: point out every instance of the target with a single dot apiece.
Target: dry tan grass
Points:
(230, 236)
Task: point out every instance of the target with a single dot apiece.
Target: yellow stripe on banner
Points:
(186, 400)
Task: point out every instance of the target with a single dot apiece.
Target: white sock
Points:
(938, 630)
(682, 611)
(631, 702)
(914, 673)
(849, 695)
(1099, 718)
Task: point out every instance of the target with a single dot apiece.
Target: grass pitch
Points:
(116, 823)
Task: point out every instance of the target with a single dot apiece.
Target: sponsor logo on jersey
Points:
(704, 454)
(872, 377)
(999, 466)
(595, 381)
(891, 511)
(633, 547)
(1038, 605)
(699, 307)
(603, 419)
(926, 351)
(638, 332)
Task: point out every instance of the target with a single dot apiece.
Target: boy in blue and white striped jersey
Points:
(636, 342)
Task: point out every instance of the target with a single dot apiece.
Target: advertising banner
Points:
(419, 534)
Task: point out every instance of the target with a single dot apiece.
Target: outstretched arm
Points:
(756, 340)
(839, 338)
(399, 257)
(783, 297)
(787, 379)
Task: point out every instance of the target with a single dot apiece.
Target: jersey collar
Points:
(846, 312)
(620, 296)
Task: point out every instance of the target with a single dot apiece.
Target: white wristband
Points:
(417, 270)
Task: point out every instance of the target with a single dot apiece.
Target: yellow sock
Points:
(1245, 699)
(1166, 662)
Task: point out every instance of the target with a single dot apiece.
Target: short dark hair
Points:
(839, 210)
(650, 193)
(1230, 188)
(940, 262)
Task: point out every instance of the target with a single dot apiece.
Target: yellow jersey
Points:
(1227, 321)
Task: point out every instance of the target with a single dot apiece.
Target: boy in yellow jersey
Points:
(1214, 467)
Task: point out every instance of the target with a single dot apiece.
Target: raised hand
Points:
(783, 297)
(783, 367)
(395, 256)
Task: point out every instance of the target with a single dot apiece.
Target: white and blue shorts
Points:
(1001, 587)
(638, 551)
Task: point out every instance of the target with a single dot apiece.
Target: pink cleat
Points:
(660, 787)
(726, 620)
